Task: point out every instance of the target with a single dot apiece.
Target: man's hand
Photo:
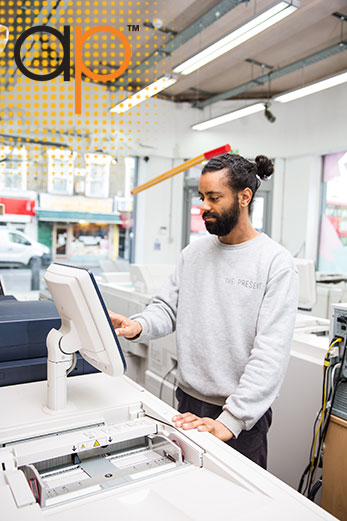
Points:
(124, 326)
(189, 421)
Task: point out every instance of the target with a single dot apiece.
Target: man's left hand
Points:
(189, 421)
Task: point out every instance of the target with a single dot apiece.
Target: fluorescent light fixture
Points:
(314, 87)
(255, 26)
(151, 90)
(3, 37)
(237, 114)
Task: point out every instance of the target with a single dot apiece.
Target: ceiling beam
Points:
(211, 16)
(274, 74)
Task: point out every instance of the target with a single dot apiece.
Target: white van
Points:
(17, 250)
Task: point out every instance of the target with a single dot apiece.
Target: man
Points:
(232, 301)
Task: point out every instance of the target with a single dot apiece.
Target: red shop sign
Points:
(18, 206)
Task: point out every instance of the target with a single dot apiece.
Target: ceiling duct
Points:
(211, 16)
(274, 74)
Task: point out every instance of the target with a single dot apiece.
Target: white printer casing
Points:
(113, 452)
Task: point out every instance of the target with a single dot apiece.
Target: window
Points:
(18, 239)
(333, 235)
(13, 168)
(130, 174)
(97, 174)
(96, 180)
(60, 171)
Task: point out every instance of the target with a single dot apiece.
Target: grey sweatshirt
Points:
(233, 308)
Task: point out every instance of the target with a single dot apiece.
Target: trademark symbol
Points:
(133, 28)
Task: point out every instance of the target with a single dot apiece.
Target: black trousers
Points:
(252, 443)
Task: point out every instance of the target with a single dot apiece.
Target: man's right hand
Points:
(124, 326)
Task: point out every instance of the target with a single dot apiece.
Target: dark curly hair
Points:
(242, 173)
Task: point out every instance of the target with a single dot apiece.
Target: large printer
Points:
(295, 409)
(96, 445)
(330, 289)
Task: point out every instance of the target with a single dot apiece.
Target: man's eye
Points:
(214, 199)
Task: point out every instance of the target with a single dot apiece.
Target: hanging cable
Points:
(164, 378)
(323, 416)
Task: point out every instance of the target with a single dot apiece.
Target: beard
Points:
(224, 222)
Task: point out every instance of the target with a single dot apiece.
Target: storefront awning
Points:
(75, 217)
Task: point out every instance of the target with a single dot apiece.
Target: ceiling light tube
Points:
(237, 114)
(258, 24)
(311, 89)
(151, 90)
(3, 37)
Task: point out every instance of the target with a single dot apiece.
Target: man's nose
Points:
(205, 206)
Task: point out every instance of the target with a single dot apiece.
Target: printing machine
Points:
(106, 456)
(283, 443)
(329, 293)
(295, 409)
(100, 445)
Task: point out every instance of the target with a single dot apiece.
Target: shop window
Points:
(90, 240)
(13, 168)
(333, 234)
(60, 171)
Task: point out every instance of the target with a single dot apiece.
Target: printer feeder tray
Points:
(65, 478)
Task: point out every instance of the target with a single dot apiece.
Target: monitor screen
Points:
(86, 325)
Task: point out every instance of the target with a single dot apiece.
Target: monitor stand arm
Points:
(58, 363)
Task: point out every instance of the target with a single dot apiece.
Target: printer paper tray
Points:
(187, 494)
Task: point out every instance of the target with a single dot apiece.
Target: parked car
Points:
(18, 250)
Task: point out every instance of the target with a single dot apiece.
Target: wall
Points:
(159, 214)
(296, 204)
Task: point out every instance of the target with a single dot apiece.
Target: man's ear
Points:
(245, 197)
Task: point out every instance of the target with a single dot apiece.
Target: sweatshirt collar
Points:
(241, 245)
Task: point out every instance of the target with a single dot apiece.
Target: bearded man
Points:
(232, 301)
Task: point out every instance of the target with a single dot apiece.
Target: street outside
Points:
(18, 282)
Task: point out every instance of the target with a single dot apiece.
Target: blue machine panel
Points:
(24, 326)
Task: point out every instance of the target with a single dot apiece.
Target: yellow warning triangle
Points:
(96, 444)
(83, 446)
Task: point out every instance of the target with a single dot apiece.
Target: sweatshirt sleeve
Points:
(264, 373)
(159, 317)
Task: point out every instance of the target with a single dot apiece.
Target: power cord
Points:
(323, 416)
(164, 379)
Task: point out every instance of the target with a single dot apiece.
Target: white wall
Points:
(159, 214)
(296, 204)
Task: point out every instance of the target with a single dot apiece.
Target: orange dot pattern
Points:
(40, 115)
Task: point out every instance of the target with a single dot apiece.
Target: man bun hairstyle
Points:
(240, 172)
(265, 167)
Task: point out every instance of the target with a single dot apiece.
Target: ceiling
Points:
(188, 27)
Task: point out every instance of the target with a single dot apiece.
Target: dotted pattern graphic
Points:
(40, 115)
